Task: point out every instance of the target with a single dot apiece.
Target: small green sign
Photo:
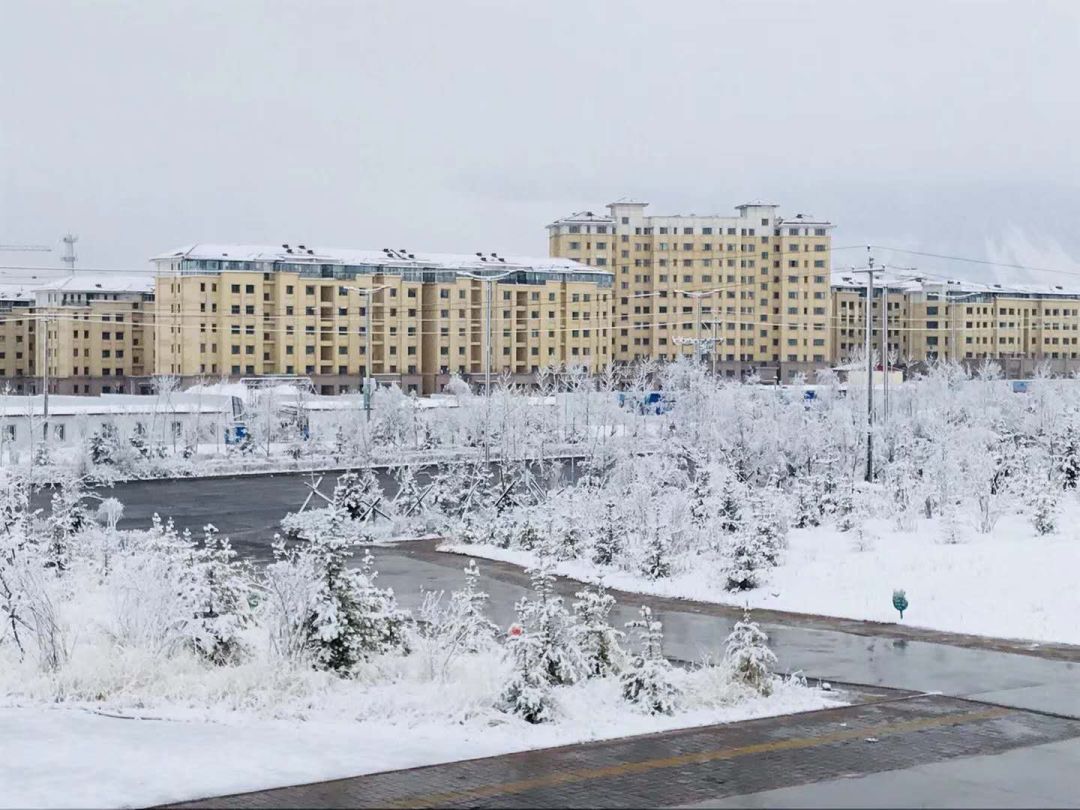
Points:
(899, 601)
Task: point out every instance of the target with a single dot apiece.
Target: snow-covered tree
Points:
(528, 693)
(325, 609)
(732, 497)
(66, 519)
(600, 643)
(104, 445)
(744, 560)
(748, 657)
(656, 555)
(1043, 500)
(547, 620)
(356, 492)
(647, 681)
(468, 627)
(609, 535)
(219, 589)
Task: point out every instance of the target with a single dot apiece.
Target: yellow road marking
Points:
(628, 768)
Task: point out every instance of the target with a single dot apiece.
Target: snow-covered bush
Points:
(748, 657)
(528, 693)
(647, 682)
(320, 608)
(600, 643)
(547, 621)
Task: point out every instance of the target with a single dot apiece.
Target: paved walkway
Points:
(698, 765)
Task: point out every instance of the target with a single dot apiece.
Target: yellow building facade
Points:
(80, 334)
(745, 292)
(243, 311)
(1018, 327)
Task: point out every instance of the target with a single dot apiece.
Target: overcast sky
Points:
(463, 125)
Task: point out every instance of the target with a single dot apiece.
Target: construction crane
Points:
(25, 249)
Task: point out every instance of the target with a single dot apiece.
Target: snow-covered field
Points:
(1008, 584)
(147, 666)
(62, 756)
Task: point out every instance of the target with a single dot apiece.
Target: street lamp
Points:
(368, 363)
(490, 279)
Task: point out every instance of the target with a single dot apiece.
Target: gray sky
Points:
(469, 125)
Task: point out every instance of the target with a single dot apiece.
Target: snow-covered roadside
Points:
(63, 756)
(1008, 584)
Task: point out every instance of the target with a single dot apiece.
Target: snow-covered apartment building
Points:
(91, 332)
(1017, 326)
(294, 309)
(749, 290)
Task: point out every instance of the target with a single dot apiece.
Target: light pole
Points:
(490, 279)
(368, 363)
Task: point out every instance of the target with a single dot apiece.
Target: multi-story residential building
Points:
(294, 310)
(750, 292)
(85, 334)
(1020, 327)
(16, 338)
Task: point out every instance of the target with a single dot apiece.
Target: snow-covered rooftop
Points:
(308, 254)
(26, 290)
(584, 217)
(100, 282)
(16, 405)
(915, 283)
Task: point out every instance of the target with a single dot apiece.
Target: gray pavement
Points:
(1045, 775)
(700, 764)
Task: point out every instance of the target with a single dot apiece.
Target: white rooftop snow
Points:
(916, 283)
(346, 256)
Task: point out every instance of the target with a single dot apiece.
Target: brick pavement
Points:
(697, 764)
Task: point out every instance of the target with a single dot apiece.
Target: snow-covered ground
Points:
(71, 756)
(1008, 584)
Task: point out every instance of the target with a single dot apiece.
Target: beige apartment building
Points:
(83, 333)
(339, 316)
(1020, 327)
(748, 292)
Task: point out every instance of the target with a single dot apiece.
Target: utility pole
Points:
(869, 349)
(45, 378)
(487, 337)
(698, 341)
(885, 348)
